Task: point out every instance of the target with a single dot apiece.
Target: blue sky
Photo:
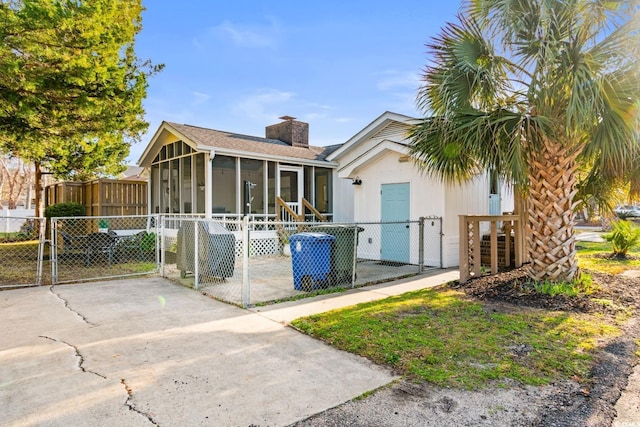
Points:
(239, 65)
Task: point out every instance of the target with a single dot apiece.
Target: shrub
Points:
(64, 210)
(623, 236)
(148, 243)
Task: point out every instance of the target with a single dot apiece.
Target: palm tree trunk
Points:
(551, 239)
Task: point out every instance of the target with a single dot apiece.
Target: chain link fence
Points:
(244, 262)
(204, 254)
(283, 260)
(89, 248)
(23, 254)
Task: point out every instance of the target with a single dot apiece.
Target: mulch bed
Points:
(514, 287)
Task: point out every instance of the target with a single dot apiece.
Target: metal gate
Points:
(23, 254)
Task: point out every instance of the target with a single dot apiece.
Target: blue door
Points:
(395, 237)
(494, 194)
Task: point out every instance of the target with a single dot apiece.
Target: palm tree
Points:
(535, 90)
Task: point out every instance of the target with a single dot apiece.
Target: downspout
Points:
(208, 191)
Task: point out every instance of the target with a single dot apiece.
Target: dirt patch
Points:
(587, 403)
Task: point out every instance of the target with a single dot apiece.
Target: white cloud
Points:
(343, 119)
(250, 35)
(266, 105)
(200, 97)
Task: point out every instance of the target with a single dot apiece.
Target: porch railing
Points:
(471, 243)
(293, 212)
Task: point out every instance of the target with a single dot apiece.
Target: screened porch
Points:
(185, 180)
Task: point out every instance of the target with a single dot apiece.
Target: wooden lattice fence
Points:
(102, 197)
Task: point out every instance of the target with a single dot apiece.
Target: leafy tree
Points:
(71, 86)
(535, 90)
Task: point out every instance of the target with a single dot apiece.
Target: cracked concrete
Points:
(66, 305)
(77, 354)
(182, 358)
(131, 406)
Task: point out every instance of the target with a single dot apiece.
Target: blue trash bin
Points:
(311, 260)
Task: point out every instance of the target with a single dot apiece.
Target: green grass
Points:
(590, 257)
(20, 262)
(440, 336)
(12, 237)
(20, 259)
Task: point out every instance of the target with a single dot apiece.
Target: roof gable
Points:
(389, 126)
(351, 166)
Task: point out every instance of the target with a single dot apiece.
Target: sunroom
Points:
(213, 173)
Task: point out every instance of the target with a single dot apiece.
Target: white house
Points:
(369, 178)
(389, 187)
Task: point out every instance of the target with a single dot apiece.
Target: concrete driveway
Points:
(149, 352)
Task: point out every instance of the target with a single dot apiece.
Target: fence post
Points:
(464, 249)
(54, 251)
(158, 242)
(421, 245)
(355, 255)
(41, 243)
(196, 255)
(245, 262)
(494, 246)
(163, 232)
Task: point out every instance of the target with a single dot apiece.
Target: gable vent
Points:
(393, 130)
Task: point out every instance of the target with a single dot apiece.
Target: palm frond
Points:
(439, 153)
(465, 72)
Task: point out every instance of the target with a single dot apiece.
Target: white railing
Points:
(295, 207)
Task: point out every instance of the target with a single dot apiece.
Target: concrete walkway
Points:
(149, 352)
(288, 311)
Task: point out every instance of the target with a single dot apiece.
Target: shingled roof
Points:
(250, 144)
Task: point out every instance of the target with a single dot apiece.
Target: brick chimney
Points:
(291, 131)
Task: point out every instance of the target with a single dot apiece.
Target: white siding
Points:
(507, 198)
(471, 198)
(343, 199)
